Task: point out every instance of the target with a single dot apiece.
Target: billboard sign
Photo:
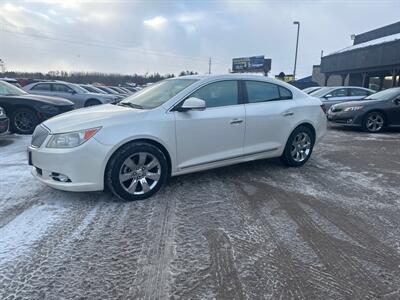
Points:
(249, 64)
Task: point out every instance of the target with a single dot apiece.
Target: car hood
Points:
(45, 99)
(356, 103)
(92, 117)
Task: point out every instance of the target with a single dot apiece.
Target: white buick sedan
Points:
(176, 126)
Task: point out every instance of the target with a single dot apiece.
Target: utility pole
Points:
(2, 66)
(209, 65)
(297, 48)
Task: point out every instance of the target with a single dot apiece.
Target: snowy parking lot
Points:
(258, 230)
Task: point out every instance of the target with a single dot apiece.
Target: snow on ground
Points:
(258, 230)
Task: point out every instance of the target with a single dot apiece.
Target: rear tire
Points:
(136, 171)
(374, 122)
(299, 147)
(23, 121)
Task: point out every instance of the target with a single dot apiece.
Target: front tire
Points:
(299, 147)
(24, 121)
(136, 171)
(374, 122)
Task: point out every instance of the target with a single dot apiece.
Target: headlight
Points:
(71, 139)
(353, 108)
(2, 113)
(49, 109)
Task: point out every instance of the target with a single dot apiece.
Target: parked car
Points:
(11, 81)
(119, 90)
(127, 91)
(27, 111)
(377, 111)
(132, 89)
(176, 126)
(311, 89)
(333, 95)
(107, 90)
(4, 121)
(91, 88)
(79, 96)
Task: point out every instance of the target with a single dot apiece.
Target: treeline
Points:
(93, 77)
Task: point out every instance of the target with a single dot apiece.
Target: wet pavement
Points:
(258, 230)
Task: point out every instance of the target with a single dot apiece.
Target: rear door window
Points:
(358, 92)
(42, 87)
(61, 88)
(258, 91)
(339, 93)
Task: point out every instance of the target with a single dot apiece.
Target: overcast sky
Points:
(170, 36)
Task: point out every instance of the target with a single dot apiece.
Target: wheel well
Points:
(92, 99)
(309, 126)
(10, 109)
(149, 141)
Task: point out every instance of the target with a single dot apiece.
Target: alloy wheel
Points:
(301, 147)
(140, 173)
(375, 122)
(24, 121)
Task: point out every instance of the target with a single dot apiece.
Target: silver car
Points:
(73, 92)
(337, 94)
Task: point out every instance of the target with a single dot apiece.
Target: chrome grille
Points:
(39, 136)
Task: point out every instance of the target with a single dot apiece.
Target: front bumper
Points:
(83, 165)
(44, 115)
(344, 118)
(4, 124)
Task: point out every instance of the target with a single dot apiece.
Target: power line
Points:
(108, 46)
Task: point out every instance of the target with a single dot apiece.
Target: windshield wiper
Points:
(130, 105)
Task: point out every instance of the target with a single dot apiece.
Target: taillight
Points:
(323, 108)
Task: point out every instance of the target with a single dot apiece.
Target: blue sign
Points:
(244, 64)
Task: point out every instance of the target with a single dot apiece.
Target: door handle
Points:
(236, 121)
(288, 113)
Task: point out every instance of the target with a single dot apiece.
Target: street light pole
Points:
(297, 48)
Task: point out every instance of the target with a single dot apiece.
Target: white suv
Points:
(176, 126)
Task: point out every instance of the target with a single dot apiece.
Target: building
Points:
(372, 61)
(303, 83)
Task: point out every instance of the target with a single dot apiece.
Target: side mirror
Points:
(328, 96)
(397, 100)
(73, 92)
(192, 103)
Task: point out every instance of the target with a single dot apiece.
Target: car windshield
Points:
(157, 94)
(108, 90)
(321, 92)
(384, 95)
(311, 89)
(7, 89)
(97, 90)
(79, 89)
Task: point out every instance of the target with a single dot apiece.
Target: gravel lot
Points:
(328, 230)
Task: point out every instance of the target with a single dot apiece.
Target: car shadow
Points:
(4, 141)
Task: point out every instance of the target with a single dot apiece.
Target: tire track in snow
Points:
(223, 269)
(156, 258)
(339, 263)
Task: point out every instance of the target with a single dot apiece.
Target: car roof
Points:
(224, 76)
(345, 87)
